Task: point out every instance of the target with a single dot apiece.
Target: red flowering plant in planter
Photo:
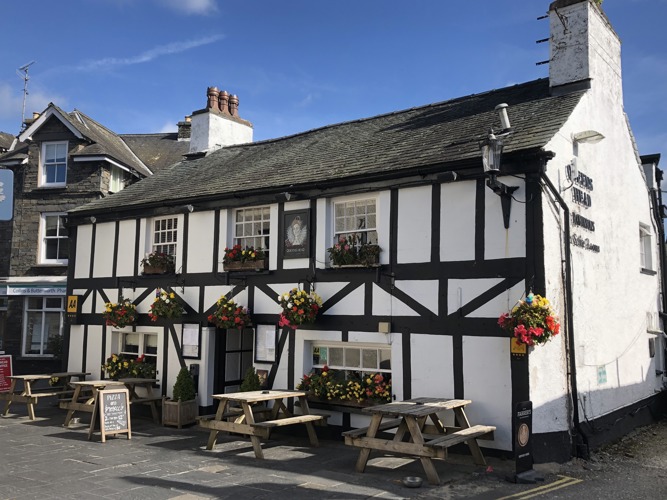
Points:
(299, 308)
(228, 314)
(240, 254)
(532, 321)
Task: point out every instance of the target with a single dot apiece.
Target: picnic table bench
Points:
(30, 395)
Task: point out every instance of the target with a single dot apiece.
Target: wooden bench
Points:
(460, 436)
(146, 400)
(299, 419)
(361, 431)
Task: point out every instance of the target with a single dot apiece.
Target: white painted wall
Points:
(211, 131)
(104, 246)
(84, 236)
(501, 243)
(414, 224)
(126, 239)
(200, 248)
(457, 221)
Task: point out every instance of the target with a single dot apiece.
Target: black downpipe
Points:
(583, 450)
(657, 214)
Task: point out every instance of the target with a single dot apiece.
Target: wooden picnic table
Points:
(30, 395)
(413, 436)
(90, 388)
(245, 423)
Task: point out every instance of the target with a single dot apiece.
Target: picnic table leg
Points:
(213, 435)
(305, 410)
(75, 399)
(28, 392)
(152, 404)
(418, 438)
(463, 422)
(250, 419)
(10, 394)
(365, 452)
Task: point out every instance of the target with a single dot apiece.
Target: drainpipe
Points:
(581, 449)
(657, 215)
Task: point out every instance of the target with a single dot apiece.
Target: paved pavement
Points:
(43, 460)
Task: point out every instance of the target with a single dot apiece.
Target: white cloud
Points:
(200, 7)
(149, 55)
(169, 127)
(11, 101)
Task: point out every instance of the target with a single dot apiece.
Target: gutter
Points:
(581, 450)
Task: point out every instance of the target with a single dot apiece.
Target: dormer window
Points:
(116, 183)
(54, 164)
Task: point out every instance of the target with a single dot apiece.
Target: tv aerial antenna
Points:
(22, 73)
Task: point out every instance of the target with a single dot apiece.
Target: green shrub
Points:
(184, 388)
(251, 381)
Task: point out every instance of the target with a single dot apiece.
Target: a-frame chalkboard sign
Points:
(113, 406)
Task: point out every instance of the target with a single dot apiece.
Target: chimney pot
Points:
(212, 95)
(234, 105)
(223, 102)
(188, 118)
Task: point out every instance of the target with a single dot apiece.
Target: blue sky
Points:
(140, 66)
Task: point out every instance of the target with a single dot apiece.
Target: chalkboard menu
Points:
(114, 412)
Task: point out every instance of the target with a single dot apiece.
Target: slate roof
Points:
(106, 141)
(157, 151)
(399, 142)
(5, 140)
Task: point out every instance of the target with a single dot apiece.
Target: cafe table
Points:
(30, 394)
(419, 432)
(245, 424)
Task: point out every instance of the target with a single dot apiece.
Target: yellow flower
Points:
(172, 295)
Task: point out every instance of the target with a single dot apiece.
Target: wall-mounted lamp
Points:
(93, 219)
(587, 137)
(492, 149)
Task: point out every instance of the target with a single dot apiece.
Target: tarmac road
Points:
(42, 460)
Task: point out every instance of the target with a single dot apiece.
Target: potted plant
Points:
(119, 366)
(165, 306)
(228, 314)
(349, 251)
(120, 314)
(532, 321)
(251, 381)
(182, 408)
(299, 308)
(238, 258)
(158, 263)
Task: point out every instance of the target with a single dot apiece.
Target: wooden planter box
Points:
(148, 269)
(179, 413)
(370, 257)
(254, 265)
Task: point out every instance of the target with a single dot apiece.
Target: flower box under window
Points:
(249, 265)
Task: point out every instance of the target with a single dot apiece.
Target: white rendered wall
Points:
(414, 224)
(200, 247)
(84, 236)
(211, 131)
(457, 221)
(126, 239)
(501, 243)
(611, 297)
(104, 246)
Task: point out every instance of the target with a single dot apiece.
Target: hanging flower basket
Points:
(165, 306)
(299, 308)
(228, 314)
(121, 314)
(244, 259)
(158, 263)
(532, 321)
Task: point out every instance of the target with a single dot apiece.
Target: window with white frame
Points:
(645, 247)
(352, 360)
(134, 344)
(116, 182)
(165, 235)
(356, 220)
(54, 242)
(54, 164)
(252, 227)
(42, 324)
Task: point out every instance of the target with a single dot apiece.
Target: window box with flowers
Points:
(245, 259)
(165, 306)
(228, 314)
(119, 366)
(120, 314)
(349, 251)
(356, 389)
(158, 263)
(299, 308)
(531, 321)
